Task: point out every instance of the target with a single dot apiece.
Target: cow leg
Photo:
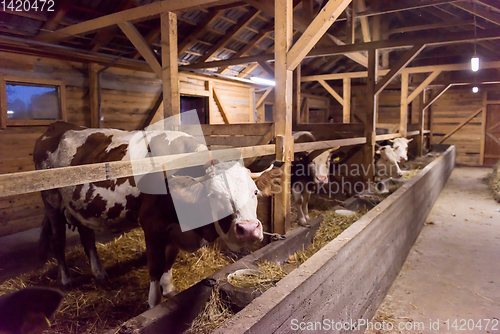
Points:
(87, 237)
(58, 241)
(305, 203)
(156, 243)
(52, 202)
(167, 281)
(298, 202)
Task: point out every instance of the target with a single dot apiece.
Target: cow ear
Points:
(269, 182)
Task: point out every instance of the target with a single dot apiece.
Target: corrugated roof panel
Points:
(200, 48)
(221, 25)
(246, 35)
(210, 37)
(234, 13)
(21, 24)
(194, 15)
(266, 43)
(257, 24)
(223, 54)
(235, 45)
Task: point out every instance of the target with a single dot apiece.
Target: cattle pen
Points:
(353, 74)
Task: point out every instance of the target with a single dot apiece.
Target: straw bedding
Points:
(91, 307)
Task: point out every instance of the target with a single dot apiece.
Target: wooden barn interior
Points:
(345, 68)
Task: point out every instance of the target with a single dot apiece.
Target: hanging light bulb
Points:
(475, 89)
(474, 64)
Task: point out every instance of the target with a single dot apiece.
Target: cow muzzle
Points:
(248, 231)
(321, 179)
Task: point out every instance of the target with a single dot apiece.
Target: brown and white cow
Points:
(309, 170)
(119, 205)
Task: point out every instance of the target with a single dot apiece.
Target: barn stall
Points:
(340, 71)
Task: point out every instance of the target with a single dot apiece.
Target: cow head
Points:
(226, 196)
(400, 146)
(319, 164)
(387, 162)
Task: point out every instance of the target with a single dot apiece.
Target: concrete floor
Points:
(19, 252)
(453, 270)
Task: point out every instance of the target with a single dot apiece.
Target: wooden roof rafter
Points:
(143, 12)
(233, 31)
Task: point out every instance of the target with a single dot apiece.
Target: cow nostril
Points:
(239, 230)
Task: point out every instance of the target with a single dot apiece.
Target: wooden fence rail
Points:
(39, 180)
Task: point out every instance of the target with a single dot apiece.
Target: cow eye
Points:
(256, 192)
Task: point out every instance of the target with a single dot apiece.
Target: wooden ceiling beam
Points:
(396, 68)
(481, 12)
(314, 31)
(144, 12)
(401, 7)
(422, 86)
(243, 22)
(365, 25)
(152, 35)
(448, 24)
(54, 18)
(405, 42)
(266, 67)
(142, 46)
(450, 38)
(301, 24)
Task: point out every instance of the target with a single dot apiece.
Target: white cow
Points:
(387, 163)
(400, 147)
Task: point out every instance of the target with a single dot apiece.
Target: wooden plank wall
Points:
(237, 98)
(319, 107)
(349, 277)
(448, 112)
(128, 97)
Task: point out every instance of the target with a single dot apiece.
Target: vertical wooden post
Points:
(171, 97)
(296, 101)
(376, 32)
(93, 95)
(371, 115)
(351, 25)
(283, 110)
(347, 101)
(483, 127)
(403, 120)
(421, 123)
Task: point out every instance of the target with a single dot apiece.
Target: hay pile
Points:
(90, 307)
(494, 181)
(216, 312)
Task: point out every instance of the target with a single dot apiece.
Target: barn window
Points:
(31, 102)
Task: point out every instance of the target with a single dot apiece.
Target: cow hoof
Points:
(304, 223)
(101, 277)
(170, 294)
